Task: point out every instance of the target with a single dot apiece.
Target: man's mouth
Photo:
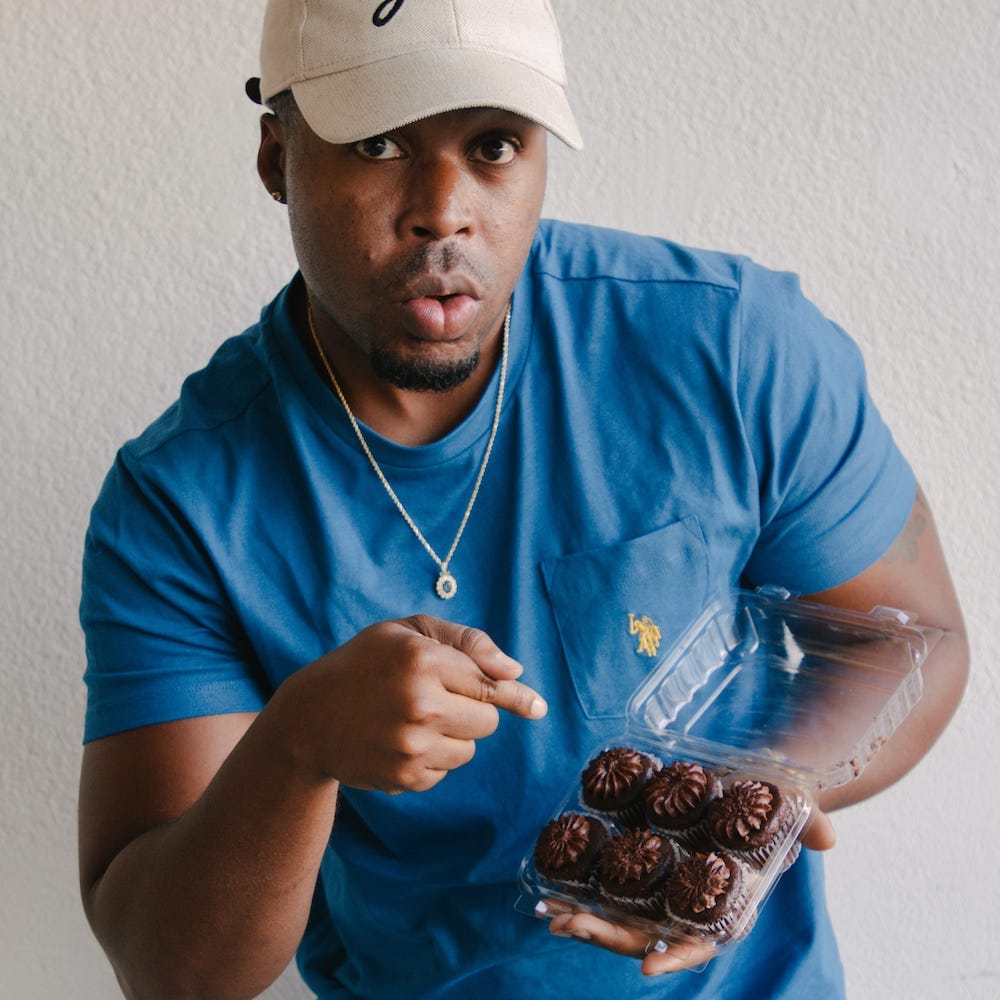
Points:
(439, 306)
(442, 316)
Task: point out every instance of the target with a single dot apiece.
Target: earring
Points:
(278, 196)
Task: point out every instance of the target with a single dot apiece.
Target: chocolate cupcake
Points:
(750, 819)
(567, 848)
(706, 893)
(632, 869)
(613, 782)
(676, 797)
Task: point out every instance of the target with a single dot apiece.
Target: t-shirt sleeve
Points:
(834, 490)
(162, 642)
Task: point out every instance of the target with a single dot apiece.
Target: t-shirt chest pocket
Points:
(617, 609)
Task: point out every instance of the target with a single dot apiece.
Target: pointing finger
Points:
(511, 696)
(461, 677)
(517, 698)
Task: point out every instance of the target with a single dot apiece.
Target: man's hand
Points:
(658, 956)
(403, 702)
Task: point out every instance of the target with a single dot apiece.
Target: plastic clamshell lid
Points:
(806, 691)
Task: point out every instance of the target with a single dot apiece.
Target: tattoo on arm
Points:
(906, 547)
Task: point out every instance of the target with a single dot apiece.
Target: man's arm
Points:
(199, 846)
(201, 840)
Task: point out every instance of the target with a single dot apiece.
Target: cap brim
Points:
(371, 100)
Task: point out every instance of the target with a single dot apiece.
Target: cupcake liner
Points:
(641, 906)
(631, 816)
(791, 856)
(581, 890)
(746, 928)
(694, 838)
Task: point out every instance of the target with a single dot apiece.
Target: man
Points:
(460, 448)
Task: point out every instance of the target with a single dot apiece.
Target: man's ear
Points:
(271, 156)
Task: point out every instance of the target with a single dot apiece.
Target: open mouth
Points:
(439, 317)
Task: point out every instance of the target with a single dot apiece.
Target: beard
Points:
(422, 376)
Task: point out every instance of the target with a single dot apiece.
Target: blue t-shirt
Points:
(676, 423)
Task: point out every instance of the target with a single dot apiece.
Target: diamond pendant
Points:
(446, 586)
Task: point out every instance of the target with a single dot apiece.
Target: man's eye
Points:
(379, 147)
(497, 150)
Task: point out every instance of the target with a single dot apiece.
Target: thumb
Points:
(819, 834)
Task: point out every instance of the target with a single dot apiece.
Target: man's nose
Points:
(439, 200)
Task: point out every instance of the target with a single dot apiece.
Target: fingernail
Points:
(538, 708)
(660, 946)
(541, 908)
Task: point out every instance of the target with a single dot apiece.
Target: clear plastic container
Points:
(761, 688)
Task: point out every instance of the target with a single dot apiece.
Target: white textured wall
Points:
(856, 142)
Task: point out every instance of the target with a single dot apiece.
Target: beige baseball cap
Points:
(359, 68)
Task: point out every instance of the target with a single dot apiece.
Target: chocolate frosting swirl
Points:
(631, 856)
(750, 805)
(698, 882)
(611, 773)
(564, 841)
(678, 789)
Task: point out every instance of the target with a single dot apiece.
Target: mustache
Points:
(432, 258)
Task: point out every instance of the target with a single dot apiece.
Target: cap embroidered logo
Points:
(386, 11)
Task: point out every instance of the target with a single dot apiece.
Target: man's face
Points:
(411, 242)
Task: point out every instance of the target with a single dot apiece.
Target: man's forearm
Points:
(214, 903)
(945, 674)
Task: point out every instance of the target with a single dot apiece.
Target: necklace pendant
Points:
(446, 586)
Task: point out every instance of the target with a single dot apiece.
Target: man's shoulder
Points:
(573, 251)
(213, 399)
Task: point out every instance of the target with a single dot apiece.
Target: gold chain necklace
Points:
(446, 586)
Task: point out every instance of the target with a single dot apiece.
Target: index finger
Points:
(518, 698)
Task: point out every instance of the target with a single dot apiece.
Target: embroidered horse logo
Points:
(648, 632)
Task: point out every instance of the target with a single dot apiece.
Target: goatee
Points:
(422, 375)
